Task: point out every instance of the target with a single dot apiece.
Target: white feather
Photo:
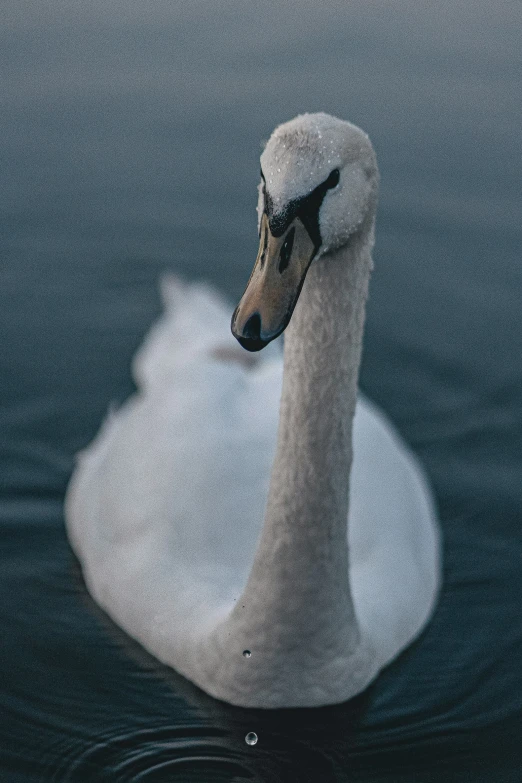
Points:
(166, 507)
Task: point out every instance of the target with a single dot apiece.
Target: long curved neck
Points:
(298, 588)
(307, 510)
(296, 613)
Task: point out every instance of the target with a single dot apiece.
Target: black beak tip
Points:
(251, 344)
(250, 336)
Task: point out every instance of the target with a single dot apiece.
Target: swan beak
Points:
(271, 294)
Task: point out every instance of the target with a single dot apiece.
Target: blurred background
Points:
(130, 136)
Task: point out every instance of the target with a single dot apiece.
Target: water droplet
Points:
(251, 738)
(246, 653)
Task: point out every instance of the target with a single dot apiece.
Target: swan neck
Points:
(323, 343)
(299, 580)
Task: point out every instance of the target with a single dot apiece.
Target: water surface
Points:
(129, 137)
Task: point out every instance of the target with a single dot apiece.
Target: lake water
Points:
(130, 139)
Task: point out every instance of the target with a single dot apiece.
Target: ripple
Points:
(190, 753)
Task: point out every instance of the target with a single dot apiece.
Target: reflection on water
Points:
(129, 136)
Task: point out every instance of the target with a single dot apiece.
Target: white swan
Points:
(165, 510)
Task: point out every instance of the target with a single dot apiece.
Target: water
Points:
(251, 738)
(129, 137)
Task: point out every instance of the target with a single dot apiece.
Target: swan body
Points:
(219, 510)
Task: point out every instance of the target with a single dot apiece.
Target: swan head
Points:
(319, 182)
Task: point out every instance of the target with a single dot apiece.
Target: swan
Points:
(217, 515)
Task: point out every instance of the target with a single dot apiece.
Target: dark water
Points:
(129, 138)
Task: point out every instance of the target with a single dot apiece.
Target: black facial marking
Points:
(333, 179)
(306, 208)
(286, 250)
(265, 244)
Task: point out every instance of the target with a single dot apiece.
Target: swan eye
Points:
(333, 179)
